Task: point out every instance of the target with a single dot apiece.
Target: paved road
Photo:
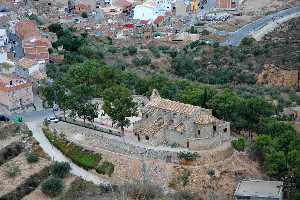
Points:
(33, 116)
(55, 154)
(235, 38)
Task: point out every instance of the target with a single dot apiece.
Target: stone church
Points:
(166, 122)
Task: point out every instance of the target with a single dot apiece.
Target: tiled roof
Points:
(173, 106)
(17, 83)
(158, 20)
(26, 62)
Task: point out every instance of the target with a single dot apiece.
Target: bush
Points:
(60, 169)
(184, 178)
(13, 171)
(83, 158)
(84, 15)
(132, 50)
(52, 186)
(239, 144)
(143, 192)
(183, 195)
(106, 168)
(140, 62)
(32, 157)
(189, 156)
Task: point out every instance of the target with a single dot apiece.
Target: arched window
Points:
(147, 137)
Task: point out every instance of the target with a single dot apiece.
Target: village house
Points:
(15, 92)
(26, 67)
(3, 55)
(27, 29)
(259, 190)
(166, 122)
(37, 49)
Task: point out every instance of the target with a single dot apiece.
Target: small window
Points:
(225, 130)
(214, 127)
(199, 132)
(138, 137)
(147, 137)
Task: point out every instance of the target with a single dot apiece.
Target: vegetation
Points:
(60, 169)
(83, 158)
(32, 157)
(188, 156)
(105, 168)
(12, 170)
(52, 186)
(239, 144)
(118, 105)
(184, 178)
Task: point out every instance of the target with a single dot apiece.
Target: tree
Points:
(56, 28)
(118, 105)
(87, 111)
(196, 95)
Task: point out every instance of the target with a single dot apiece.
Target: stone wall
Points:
(96, 139)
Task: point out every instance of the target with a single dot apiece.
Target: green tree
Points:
(87, 111)
(118, 105)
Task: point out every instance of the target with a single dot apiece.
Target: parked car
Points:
(3, 118)
(52, 119)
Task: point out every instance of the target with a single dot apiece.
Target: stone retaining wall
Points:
(116, 144)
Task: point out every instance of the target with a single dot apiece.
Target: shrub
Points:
(183, 195)
(32, 157)
(239, 144)
(184, 178)
(60, 169)
(132, 50)
(84, 15)
(112, 50)
(143, 192)
(189, 156)
(12, 170)
(106, 168)
(52, 186)
(83, 158)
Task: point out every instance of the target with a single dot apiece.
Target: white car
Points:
(52, 119)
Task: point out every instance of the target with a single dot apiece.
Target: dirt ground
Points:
(24, 171)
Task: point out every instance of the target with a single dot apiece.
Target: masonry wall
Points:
(21, 97)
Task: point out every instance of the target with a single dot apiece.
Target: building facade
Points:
(37, 49)
(166, 122)
(15, 93)
(3, 38)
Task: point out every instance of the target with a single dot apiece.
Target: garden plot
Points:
(38, 194)
(17, 175)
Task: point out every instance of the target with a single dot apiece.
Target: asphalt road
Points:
(33, 115)
(235, 38)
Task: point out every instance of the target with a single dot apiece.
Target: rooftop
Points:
(26, 62)
(260, 188)
(11, 83)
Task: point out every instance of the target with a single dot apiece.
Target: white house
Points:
(3, 37)
(151, 9)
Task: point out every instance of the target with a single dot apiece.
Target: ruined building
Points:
(166, 122)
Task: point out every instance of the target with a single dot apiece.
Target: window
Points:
(199, 132)
(147, 137)
(214, 127)
(138, 137)
(225, 130)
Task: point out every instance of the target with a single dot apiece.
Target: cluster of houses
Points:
(18, 72)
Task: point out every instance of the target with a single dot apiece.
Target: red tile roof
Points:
(159, 20)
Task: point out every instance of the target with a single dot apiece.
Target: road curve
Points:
(235, 38)
(55, 154)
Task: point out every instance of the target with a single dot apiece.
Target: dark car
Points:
(4, 118)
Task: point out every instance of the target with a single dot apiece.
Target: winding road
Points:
(55, 154)
(235, 38)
